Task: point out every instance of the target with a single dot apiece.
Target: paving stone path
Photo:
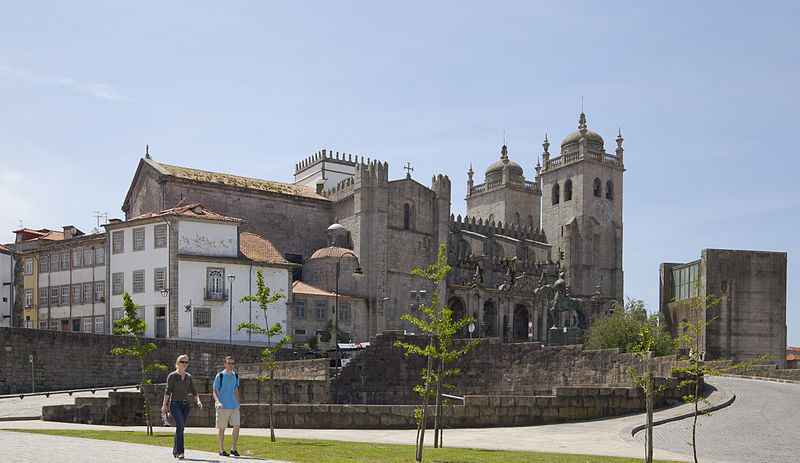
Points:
(762, 425)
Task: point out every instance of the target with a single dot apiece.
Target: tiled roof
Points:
(259, 249)
(41, 234)
(242, 182)
(299, 287)
(330, 251)
(191, 210)
(793, 357)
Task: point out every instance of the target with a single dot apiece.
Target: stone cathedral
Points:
(517, 233)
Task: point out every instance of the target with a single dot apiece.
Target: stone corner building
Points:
(516, 233)
(750, 319)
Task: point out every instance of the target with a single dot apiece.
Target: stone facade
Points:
(512, 239)
(749, 321)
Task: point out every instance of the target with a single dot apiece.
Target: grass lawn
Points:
(329, 451)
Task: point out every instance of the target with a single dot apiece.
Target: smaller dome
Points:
(495, 169)
(575, 137)
(336, 226)
(330, 251)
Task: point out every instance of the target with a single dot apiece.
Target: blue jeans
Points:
(180, 411)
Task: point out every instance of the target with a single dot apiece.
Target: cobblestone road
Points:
(762, 425)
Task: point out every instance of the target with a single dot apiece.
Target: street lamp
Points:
(230, 313)
(357, 274)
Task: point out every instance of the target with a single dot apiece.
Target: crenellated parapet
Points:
(487, 228)
(372, 173)
(440, 184)
(327, 155)
(340, 190)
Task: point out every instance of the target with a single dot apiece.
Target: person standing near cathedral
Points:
(226, 403)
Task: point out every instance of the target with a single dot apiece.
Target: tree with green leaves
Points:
(622, 330)
(132, 325)
(438, 323)
(264, 297)
(696, 367)
(647, 342)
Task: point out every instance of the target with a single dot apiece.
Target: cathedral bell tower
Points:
(582, 211)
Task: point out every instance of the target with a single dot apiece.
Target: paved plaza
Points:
(755, 428)
(760, 426)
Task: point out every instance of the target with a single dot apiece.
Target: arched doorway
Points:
(457, 306)
(521, 319)
(489, 319)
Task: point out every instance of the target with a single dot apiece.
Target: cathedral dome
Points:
(330, 251)
(594, 142)
(495, 170)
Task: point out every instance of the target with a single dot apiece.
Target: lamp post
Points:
(230, 313)
(357, 273)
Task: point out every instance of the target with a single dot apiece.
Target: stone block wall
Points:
(66, 360)
(311, 369)
(383, 375)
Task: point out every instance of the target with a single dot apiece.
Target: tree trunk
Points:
(694, 424)
(424, 414)
(649, 456)
(148, 421)
(271, 402)
(437, 419)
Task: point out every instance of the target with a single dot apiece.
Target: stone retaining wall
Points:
(65, 360)
(768, 371)
(383, 375)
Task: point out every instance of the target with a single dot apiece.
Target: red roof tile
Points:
(28, 234)
(191, 210)
(330, 251)
(299, 287)
(259, 249)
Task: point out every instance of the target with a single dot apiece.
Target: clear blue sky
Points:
(705, 94)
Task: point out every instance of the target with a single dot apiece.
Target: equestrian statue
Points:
(558, 301)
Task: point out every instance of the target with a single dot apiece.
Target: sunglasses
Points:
(184, 361)
(230, 363)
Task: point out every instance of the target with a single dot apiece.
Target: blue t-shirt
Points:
(225, 389)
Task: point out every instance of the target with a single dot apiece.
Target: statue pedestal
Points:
(564, 336)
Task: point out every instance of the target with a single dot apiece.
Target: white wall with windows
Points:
(7, 282)
(138, 265)
(209, 316)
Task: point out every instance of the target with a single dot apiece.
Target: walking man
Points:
(226, 403)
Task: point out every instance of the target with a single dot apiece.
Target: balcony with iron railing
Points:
(211, 294)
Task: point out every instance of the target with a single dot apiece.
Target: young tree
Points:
(622, 329)
(647, 343)
(440, 325)
(264, 298)
(695, 367)
(132, 325)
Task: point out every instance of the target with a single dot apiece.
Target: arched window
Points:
(597, 186)
(609, 190)
(568, 190)
(516, 218)
(555, 193)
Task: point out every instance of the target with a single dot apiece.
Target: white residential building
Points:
(7, 289)
(188, 268)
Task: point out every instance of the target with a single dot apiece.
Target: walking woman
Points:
(179, 384)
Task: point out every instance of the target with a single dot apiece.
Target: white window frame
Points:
(138, 281)
(55, 259)
(28, 298)
(321, 307)
(29, 266)
(99, 256)
(159, 278)
(87, 293)
(44, 297)
(118, 242)
(300, 306)
(88, 258)
(99, 325)
(117, 283)
(65, 258)
(202, 317)
(77, 292)
(87, 324)
(44, 262)
(76, 258)
(65, 294)
(138, 239)
(160, 236)
(100, 291)
(55, 295)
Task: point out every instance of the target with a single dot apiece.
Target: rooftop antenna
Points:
(20, 223)
(98, 215)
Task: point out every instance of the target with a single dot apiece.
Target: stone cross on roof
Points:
(408, 169)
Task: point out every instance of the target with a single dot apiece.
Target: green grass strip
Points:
(331, 451)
